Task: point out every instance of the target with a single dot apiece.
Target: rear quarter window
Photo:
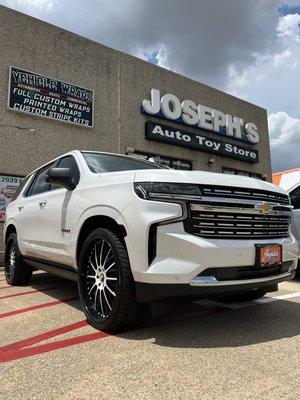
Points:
(20, 188)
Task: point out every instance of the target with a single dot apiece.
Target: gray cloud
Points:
(234, 45)
(285, 141)
(201, 37)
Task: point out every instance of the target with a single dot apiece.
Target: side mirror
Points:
(60, 176)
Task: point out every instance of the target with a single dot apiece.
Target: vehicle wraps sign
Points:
(198, 141)
(42, 96)
(8, 187)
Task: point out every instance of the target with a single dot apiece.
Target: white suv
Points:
(131, 232)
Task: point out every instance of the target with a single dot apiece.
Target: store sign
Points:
(8, 187)
(189, 113)
(178, 137)
(40, 95)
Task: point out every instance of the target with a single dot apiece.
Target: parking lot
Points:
(203, 350)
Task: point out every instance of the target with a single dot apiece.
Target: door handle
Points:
(42, 203)
(20, 208)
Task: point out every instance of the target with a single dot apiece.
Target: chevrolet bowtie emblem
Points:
(264, 208)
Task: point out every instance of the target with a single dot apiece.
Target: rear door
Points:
(23, 212)
(27, 206)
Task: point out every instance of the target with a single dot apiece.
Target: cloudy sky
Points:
(249, 48)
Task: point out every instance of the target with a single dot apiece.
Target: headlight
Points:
(165, 190)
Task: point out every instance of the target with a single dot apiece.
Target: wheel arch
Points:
(9, 229)
(99, 221)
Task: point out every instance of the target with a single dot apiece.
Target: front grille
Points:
(233, 215)
(244, 193)
(227, 225)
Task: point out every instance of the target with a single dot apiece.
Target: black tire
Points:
(246, 296)
(297, 274)
(106, 285)
(17, 272)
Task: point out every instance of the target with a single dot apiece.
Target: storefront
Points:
(59, 91)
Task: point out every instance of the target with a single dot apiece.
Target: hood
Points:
(204, 178)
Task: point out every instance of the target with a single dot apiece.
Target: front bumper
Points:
(199, 289)
(180, 257)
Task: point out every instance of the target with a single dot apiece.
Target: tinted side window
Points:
(295, 198)
(39, 185)
(20, 188)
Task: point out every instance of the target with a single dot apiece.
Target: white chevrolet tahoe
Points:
(131, 232)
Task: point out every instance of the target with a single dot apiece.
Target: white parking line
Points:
(235, 306)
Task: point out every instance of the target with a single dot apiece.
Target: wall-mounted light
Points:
(23, 128)
(210, 161)
(129, 150)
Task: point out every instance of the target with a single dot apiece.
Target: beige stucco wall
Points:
(120, 83)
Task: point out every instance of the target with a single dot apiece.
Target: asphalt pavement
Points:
(201, 350)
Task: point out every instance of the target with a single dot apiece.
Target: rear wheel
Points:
(17, 272)
(106, 285)
(297, 275)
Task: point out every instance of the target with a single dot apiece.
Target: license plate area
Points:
(268, 255)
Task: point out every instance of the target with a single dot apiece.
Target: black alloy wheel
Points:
(106, 285)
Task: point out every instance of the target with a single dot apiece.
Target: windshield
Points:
(99, 163)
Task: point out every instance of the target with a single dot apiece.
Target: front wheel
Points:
(106, 285)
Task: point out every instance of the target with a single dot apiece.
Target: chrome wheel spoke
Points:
(111, 279)
(96, 261)
(108, 268)
(109, 289)
(92, 265)
(101, 252)
(109, 306)
(101, 304)
(95, 298)
(106, 257)
(92, 288)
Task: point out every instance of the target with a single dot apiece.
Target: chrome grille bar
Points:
(217, 216)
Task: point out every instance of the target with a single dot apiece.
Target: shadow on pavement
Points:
(224, 328)
(230, 328)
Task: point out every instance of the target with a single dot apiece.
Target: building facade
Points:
(60, 91)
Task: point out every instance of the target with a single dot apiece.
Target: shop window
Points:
(9, 185)
(295, 198)
(170, 162)
(232, 171)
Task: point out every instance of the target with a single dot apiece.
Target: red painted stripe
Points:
(13, 351)
(43, 282)
(31, 292)
(44, 336)
(36, 307)
(45, 348)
